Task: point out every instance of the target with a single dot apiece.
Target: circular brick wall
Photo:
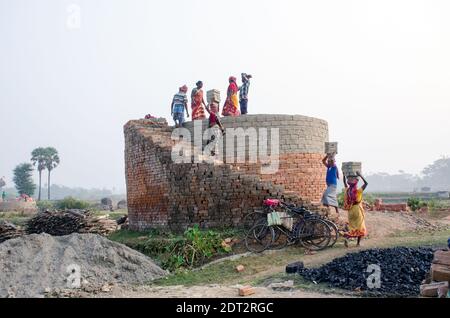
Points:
(162, 193)
(301, 149)
(298, 134)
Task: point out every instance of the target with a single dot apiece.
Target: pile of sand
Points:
(35, 265)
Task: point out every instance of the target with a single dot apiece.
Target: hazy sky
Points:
(377, 71)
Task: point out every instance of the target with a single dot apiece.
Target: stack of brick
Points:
(213, 96)
(213, 99)
(397, 207)
(351, 169)
(164, 194)
(331, 148)
(437, 284)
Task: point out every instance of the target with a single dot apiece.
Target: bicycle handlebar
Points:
(290, 205)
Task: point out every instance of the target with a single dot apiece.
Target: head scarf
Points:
(352, 192)
(232, 79)
(184, 89)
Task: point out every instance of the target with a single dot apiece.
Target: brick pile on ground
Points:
(9, 231)
(70, 221)
(39, 265)
(438, 280)
(162, 193)
(402, 271)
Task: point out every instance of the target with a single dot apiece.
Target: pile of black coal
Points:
(389, 272)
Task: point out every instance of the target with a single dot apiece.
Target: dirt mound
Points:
(35, 265)
(402, 270)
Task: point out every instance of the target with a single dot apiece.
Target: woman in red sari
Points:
(198, 112)
(231, 107)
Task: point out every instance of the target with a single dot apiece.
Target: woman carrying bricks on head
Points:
(231, 107)
(215, 130)
(329, 197)
(179, 104)
(353, 200)
(198, 112)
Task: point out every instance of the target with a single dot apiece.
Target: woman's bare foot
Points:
(358, 243)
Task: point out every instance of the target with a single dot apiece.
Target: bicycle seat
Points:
(271, 202)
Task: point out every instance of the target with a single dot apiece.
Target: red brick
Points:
(440, 273)
(246, 291)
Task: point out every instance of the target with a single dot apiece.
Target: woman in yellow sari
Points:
(231, 107)
(353, 203)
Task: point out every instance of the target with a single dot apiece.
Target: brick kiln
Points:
(164, 194)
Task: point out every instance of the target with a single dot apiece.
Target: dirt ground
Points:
(210, 291)
(385, 229)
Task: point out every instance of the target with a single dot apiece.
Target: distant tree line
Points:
(60, 192)
(435, 176)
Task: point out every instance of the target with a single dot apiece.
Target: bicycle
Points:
(310, 231)
(333, 227)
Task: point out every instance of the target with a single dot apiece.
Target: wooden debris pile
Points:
(9, 231)
(69, 221)
(100, 225)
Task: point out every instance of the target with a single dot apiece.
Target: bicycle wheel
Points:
(252, 218)
(280, 239)
(259, 238)
(315, 234)
(333, 229)
(334, 232)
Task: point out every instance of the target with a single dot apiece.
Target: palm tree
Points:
(51, 162)
(39, 157)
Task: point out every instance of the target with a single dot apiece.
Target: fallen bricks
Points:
(437, 284)
(246, 291)
(240, 268)
(432, 289)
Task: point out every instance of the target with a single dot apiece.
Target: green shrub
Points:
(416, 204)
(193, 248)
(173, 252)
(436, 205)
(369, 198)
(71, 203)
(204, 242)
(45, 205)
